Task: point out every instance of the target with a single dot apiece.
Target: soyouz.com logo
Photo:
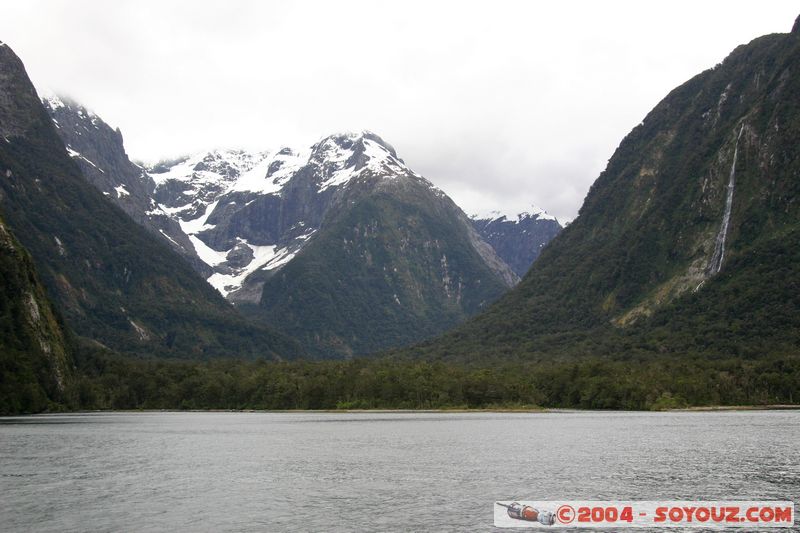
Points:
(618, 514)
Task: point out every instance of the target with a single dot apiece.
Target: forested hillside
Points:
(686, 243)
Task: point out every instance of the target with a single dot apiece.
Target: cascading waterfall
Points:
(715, 264)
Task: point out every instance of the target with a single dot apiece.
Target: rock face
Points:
(240, 213)
(112, 280)
(18, 98)
(688, 239)
(35, 361)
(517, 239)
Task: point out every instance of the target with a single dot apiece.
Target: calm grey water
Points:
(373, 471)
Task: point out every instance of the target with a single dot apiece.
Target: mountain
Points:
(394, 259)
(687, 243)
(113, 281)
(340, 245)
(35, 364)
(518, 239)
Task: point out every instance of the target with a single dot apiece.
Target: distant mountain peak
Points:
(338, 158)
(517, 238)
(533, 211)
(345, 156)
(536, 212)
(347, 139)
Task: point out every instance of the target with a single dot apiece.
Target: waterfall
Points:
(715, 264)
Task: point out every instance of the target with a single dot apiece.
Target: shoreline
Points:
(530, 410)
(776, 407)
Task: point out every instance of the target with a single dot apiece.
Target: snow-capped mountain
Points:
(340, 245)
(517, 238)
(248, 213)
(391, 259)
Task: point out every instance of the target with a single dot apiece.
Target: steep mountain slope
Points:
(517, 239)
(394, 259)
(111, 279)
(99, 152)
(688, 238)
(34, 354)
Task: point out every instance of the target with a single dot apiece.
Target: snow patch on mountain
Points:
(264, 258)
(54, 101)
(206, 166)
(207, 254)
(271, 174)
(537, 212)
(170, 239)
(191, 227)
(75, 154)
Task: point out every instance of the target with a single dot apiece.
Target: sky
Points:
(501, 104)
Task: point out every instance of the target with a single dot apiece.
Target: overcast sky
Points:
(501, 104)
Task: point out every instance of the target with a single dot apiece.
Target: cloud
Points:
(505, 103)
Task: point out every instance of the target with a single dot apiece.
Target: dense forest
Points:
(106, 381)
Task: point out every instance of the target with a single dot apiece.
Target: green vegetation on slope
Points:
(35, 366)
(391, 266)
(632, 269)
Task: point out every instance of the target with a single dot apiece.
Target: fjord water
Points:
(373, 471)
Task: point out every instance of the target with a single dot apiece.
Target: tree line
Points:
(105, 381)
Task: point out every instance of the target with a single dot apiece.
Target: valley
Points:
(263, 279)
